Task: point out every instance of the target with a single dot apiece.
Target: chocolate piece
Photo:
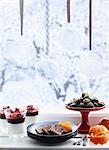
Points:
(77, 101)
(73, 104)
(58, 129)
(69, 104)
(81, 104)
(46, 129)
(101, 104)
(86, 100)
(39, 130)
(85, 95)
(96, 104)
(94, 99)
(89, 105)
(81, 99)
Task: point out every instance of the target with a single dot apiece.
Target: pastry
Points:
(99, 134)
(105, 122)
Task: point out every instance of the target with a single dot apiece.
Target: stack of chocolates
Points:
(86, 102)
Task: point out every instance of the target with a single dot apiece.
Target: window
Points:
(31, 74)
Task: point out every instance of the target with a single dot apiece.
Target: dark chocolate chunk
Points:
(69, 104)
(77, 101)
(94, 99)
(101, 104)
(86, 100)
(81, 104)
(81, 99)
(73, 104)
(85, 95)
(89, 105)
(96, 104)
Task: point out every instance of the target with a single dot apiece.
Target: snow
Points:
(28, 75)
(20, 51)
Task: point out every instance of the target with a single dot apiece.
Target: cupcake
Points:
(32, 112)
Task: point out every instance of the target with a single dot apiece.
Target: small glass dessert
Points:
(3, 122)
(32, 112)
(15, 118)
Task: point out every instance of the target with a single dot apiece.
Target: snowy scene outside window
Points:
(31, 73)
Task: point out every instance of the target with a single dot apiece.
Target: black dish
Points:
(50, 139)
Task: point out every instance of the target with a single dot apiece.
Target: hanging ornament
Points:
(68, 11)
(90, 24)
(21, 3)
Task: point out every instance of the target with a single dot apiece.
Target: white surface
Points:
(15, 129)
(27, 142)
(3, 125)
(30, 119)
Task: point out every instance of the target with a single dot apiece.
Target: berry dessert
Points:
(15, 118)
(86, 102)
(3, 122)
(2, 113)
(32, 112)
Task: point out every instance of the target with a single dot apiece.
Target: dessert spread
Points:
(60, 128)
(15, 116)
(99, 134)
(86, 102)
(32, 110)
(2, 113)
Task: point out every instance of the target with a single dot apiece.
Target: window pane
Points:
(29, 74)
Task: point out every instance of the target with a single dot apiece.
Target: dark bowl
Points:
(50, 139)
